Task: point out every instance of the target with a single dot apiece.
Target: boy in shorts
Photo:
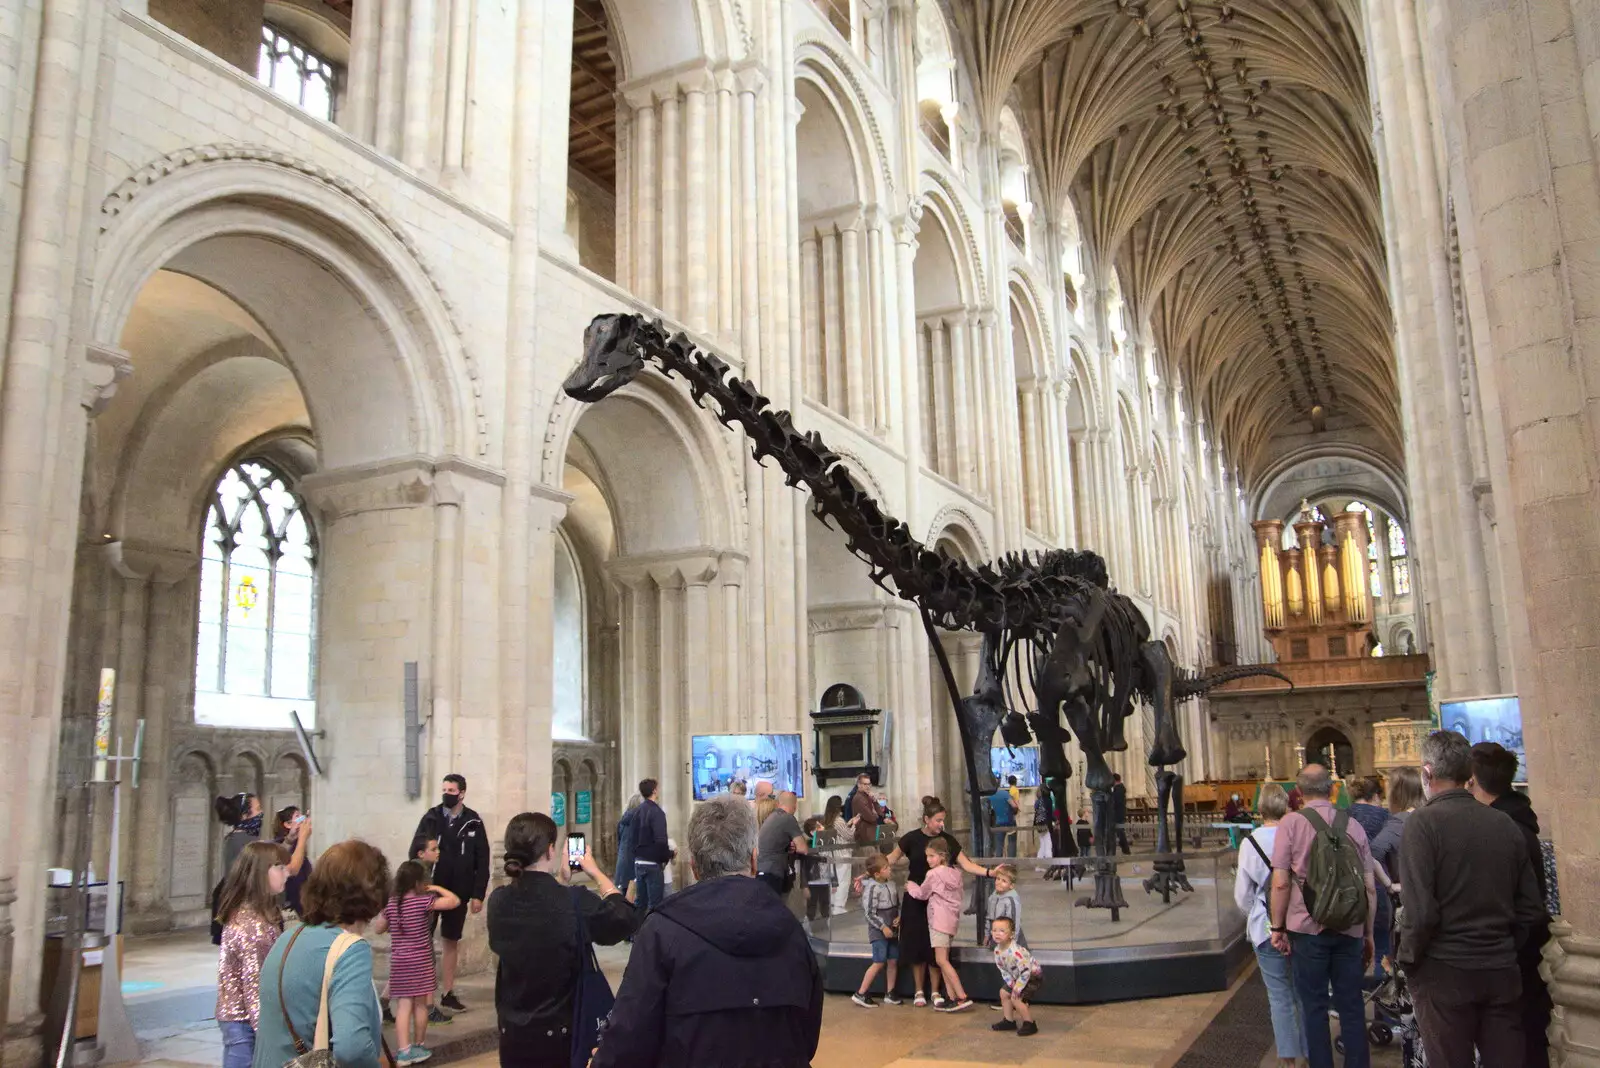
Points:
(880, 904)
(1020, 978)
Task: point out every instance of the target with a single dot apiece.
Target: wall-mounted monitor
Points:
(720, 760)
(1023, 763)
(1488, 719)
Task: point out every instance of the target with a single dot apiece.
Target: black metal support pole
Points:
(980, 829)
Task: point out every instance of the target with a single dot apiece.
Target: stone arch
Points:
(651, 419)
(189, 877)
(653, 36)
(817, 63)
(821, 60)
(939, 198)
(254, 225)
(955, 527)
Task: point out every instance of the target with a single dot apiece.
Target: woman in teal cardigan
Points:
(348, 887)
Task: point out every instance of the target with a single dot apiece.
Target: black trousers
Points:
(1459, 1009)
(817, 903)
(1536, 1005)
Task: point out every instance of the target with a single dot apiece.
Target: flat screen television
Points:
(719, 760)
(1023, 763)
(1488, 719)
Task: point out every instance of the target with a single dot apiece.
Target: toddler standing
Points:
(819, 874)
(942, 891)
(880, 904)
(1020, 979)
(1004, 903)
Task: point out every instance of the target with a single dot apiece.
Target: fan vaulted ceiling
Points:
(1219, 154)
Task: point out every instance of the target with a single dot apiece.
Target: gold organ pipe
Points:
(1271, 588)
(1330, 583)
(1313, 587)
(1297, 590)
(1355, 585)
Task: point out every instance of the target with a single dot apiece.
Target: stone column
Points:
(855, 402)
(878, 326)
(417, 125)
(457, 87)
(390, 99)
(671, 202)
(698, 253)
(1519, 89)
(909, 357)
(965, 403)
(359, 115)
(832, 352)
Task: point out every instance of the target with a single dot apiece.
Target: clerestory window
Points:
(255, 648)
(297, 72)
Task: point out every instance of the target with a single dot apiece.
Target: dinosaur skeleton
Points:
(1051, 623)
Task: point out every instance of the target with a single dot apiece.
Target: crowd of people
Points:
(1443, 882)
(1447, 857)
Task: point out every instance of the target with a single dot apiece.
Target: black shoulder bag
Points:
(592, 1000)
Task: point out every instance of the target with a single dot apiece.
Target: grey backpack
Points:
(1334, 888)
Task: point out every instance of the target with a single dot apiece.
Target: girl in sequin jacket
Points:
(247, 910)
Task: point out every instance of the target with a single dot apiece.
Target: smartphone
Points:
(575, 850)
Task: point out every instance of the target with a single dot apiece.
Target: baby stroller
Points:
(1390, 1003)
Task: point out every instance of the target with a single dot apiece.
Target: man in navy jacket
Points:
(721, 973)
(651, 853)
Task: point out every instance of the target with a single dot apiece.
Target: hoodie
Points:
(1520, 809)
(721, 976)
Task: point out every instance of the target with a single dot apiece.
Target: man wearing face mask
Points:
(463, 869)
(1469, 902)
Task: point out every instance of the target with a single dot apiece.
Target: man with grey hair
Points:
(744, 984)
(1321, 958)
(1469, 901)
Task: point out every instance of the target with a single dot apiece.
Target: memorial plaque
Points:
(191, 847)
(558, 809)
(584, 803)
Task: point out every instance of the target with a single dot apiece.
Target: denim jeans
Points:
(1381, 946)
(652, 885)
(1287, 1026)
(1319, 961)
(238, 1043)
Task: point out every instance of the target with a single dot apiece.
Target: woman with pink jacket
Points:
(942, 891)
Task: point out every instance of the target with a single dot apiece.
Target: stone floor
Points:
(170, 992)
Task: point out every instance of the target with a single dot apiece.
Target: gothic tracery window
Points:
(255, 648)
(1399, 564)
(1374, 566)
(296, 72)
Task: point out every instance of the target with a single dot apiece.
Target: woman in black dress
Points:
(916, 952)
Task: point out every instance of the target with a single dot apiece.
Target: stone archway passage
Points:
(1333, 749)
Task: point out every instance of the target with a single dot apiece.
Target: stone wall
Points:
(231, 30)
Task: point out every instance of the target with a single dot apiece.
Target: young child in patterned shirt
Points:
(1020, 978)
(880, 904)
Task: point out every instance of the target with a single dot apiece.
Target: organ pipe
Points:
(1330, 581)
(1351, 557)
(1297, 588)
(1271, 588)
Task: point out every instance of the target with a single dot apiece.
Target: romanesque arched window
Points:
(255, 648)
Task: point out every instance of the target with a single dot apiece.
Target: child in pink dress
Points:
(411, 975)
(942, 891)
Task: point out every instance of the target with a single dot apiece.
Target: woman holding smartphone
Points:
(541, 930)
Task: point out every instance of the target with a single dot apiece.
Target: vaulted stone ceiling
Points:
(1218, 152)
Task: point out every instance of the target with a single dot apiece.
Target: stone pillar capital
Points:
(156, 564)
(106, 367)
(751, 79)
(410, 482)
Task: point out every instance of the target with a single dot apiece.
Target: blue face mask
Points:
(250, 825)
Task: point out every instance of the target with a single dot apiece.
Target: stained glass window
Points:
(1397, 539)
(295, 72)
(1402, 576)
(254, 653)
